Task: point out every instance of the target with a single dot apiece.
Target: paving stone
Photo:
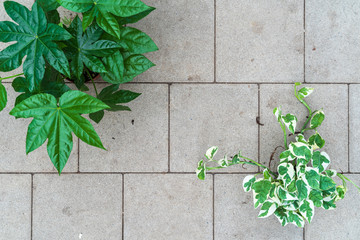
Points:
(236, 218)
(184, 32)
(77, 206)
(334, 101)
(332, 41)
(15, 206)
(136, 141)
(179, 207)
(340, 223)
(12, 144)
(259, 41)
(354, 128)
(220, 115)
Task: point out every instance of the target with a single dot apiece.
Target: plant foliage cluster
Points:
(57, 49)
(302, 181)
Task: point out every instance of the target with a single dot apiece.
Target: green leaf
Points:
(301, 138)
(201, 170)
(267, 209)
(286, 173)
(136, 41)
(282, 215)
(48, 5)
(316, 141)
(57, 120)
(305, 92)
(112, 98)
(52, 83)
(3, 97)
(135, 65)
(317, 119)
(290, 122)
(35, 38)
(115, 69)
(248, 182)
(326, 183)
(312, 177)
(296, 219)
(285, 195)
(286, 156)
(307, 210)
(302, 189)
(105, 11)
(316, 197)
(86, 48)
(320, 160)
(134, 18)
(261, 189)
(301, 150)
(327, 205)
(210, 153)
(340, 190)
(331, 173)
(97, 116)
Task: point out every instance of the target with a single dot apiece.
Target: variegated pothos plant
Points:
(302, 181)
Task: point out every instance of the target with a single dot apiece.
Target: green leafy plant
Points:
(56, 50)
(302, 181)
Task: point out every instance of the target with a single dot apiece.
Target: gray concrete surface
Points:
(222, 63)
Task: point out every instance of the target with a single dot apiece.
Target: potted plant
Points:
(79, 50)
(302, 180)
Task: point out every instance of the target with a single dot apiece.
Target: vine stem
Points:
(251, 162)
(307, 106)
(92, 80)
(11, 76)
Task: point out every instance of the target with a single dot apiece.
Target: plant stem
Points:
(251, 162)
(307, 106)
(11, 76)
(341, 176)
(92, 80)
(285, 135)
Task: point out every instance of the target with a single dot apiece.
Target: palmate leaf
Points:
(34, 37)
(56, 120)
(52, 83)
(104, 11)
(114, 99)
(86, 49)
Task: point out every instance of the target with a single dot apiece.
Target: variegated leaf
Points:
(307, 210)
(248, 182)
(286, 173)
(301, 150)
(290, 122)
(317, 118)
(305, 92)
(267, 209)
(261, 189)
(286, 156)
(320, 160)
(316, 141)
(210, 153)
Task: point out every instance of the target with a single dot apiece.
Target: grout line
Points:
(348, 145)
(304, 231)
(304, 36)
(169, 127)
(259, 127)
(32, 206)
(122, 207)
(137, 173)
(224, 83)
(214, 41)
(213, 206)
